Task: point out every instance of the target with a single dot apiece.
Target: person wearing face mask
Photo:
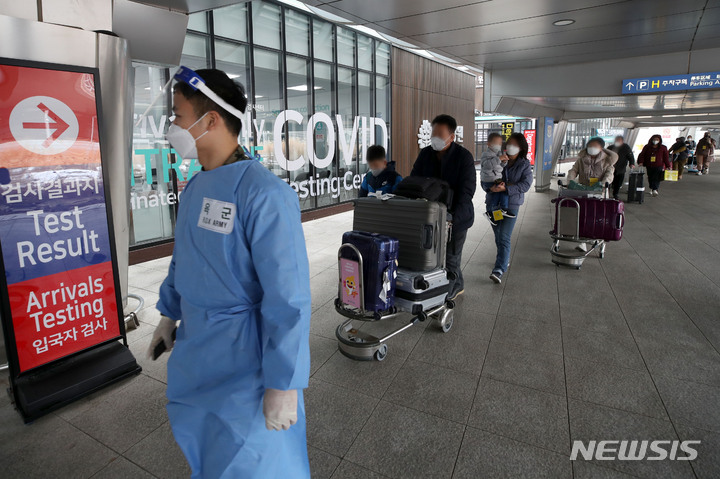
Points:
(702, 154)
(382, 177)
(625, 158)
(449, 161)
(516, 180)
(492, 162)
(655, 157)
(594, 165)
(239, 285)
(679, 152)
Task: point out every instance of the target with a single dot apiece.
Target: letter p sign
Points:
(643, 85)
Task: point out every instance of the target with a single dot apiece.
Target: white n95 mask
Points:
(593, 151)
(437, 143)
(182, 140)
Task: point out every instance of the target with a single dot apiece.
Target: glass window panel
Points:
(382, 58)
(197, 22)
(382, 108)
(269, 102)
(194, 54)
(323, 40)
(365, 109)
(233, 59)
(323, 103)
(365, 52)
(231, 22)
(346, 46)
(152, 195)
(297, 32)
(266, 24)
(295, 144)
(346, 97)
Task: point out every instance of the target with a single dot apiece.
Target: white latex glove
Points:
(280, 408)
(163, 332)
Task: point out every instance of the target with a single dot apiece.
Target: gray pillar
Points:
(544, 153)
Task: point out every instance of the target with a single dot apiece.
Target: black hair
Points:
(596, 139)
(493, 135)
(521, 142)
(227, 89)
(621, 137)
(446, 120)
(375, 152)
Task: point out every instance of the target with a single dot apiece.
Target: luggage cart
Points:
(362, 346)
(567, 228)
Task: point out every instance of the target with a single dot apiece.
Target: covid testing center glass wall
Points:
(318, 96)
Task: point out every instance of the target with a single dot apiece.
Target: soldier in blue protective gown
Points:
(239, 284)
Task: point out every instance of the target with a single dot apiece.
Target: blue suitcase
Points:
(379, 255)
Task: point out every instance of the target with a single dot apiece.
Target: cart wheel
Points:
(446, 320)
(422, 316)
(577, 267)
(450, 303)
(381, 352)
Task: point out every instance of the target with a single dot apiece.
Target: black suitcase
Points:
(419, 225)
(636, 188)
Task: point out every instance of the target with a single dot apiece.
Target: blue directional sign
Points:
(691, 81)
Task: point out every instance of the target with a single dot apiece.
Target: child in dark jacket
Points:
(382, 177)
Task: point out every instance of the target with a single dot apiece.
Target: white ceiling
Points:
(509, 35)
(500, 34)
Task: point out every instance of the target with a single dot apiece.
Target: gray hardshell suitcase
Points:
(419, 225)
(416, 292)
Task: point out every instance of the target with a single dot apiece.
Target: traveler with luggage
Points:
(492, 163)
(449, 161)
(625, 158)
(594, 165)
(517, 178)
(382, 177)
(655, 157)
(239, 284)
(690, 143)
(680, 154)
(702, 154)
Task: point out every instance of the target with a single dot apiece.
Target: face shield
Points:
(186, 75)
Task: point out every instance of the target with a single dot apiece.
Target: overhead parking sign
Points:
(59, 289)
(692, 81)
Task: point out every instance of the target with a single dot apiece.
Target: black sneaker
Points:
(496, 277)
(490, 218)
(508, 215)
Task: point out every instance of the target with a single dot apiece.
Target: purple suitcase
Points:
(600, 219)
(379, 254)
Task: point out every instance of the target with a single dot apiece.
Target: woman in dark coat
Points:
(655, 157)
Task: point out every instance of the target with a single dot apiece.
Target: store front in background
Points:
(318, 96)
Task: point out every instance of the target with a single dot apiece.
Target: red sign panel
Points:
(54, 229)
(530, 137)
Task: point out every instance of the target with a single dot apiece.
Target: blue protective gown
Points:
(242, 292)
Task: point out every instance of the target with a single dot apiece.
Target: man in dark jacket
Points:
(625, 158)
(450, 162)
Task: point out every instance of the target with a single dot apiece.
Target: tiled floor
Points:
(626, 348)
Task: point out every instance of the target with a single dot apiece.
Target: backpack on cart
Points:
(431, 189)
